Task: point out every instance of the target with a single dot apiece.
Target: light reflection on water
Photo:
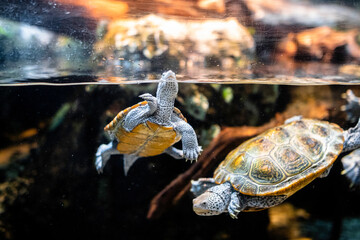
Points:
(37, 75)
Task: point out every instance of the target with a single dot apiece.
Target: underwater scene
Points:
(183, 119)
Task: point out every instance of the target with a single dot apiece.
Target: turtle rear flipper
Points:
(352, 107)
(174, 152)
(351, 164)
(103, 155)
(129, 160)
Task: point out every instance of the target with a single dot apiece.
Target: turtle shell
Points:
(283, 159)
(146, 139)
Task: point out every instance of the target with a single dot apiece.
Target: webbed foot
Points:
(152, 102)
(103, 155)
(352, 107)
(351, 164)
(235, 205)
(352, 138)
(192, 154)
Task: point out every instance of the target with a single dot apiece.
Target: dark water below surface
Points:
(51, 189)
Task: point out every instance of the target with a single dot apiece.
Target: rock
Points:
(321, 44)
(156, 40)
(274, 20)
(300, 13)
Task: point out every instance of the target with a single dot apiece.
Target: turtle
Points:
(264, 171)
(149, 128)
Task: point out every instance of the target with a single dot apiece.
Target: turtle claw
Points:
(191, 160)
(234, 216)
(192, 154)
(234, 209)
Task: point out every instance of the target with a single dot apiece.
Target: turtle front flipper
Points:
(236, 205)
(103, 155)
(352, 107)
(190, 146)
(351, 164)
(352, 138)
(152, 102)
(140, 113)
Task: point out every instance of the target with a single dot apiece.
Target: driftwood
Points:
(229, 138)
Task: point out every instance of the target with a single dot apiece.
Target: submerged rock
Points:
(186, 43)
(322, 44)
(290, 13)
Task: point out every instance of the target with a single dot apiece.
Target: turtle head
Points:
(211, 202)
(167, 89)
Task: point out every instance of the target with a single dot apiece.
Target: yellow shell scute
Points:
(265, 171)
(259, 147)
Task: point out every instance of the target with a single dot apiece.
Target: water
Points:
(37, 56)
(67, 70)
(35, 76)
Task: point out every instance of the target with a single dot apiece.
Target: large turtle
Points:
(265, 170)
(150, 128)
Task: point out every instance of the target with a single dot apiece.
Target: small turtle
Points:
(265, 170)
(150, 128)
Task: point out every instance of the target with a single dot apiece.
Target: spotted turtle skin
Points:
(283, 159)
(146, 139)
